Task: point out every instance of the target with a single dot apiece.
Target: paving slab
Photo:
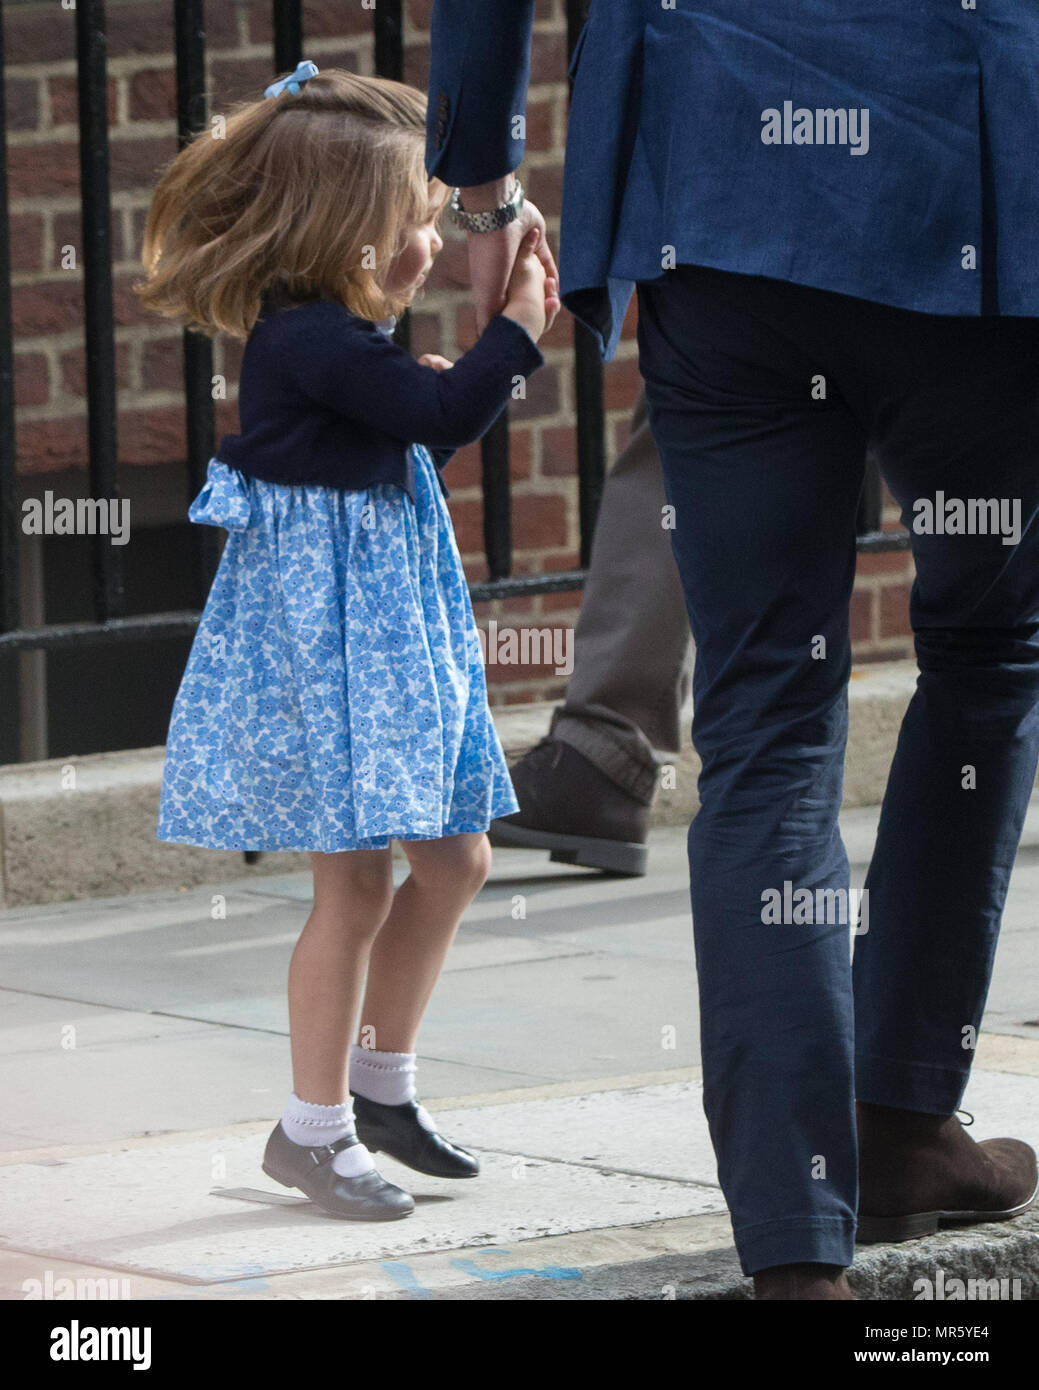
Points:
(203, 1211)
(144, 1054)
(132, 1074)
(200, 1212)
(578, 1257)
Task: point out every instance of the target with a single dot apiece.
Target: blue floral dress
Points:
(335, 695)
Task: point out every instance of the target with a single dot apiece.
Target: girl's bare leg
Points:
(413, 941)
(353, 893)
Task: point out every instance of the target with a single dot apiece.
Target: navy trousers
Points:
(762, 396)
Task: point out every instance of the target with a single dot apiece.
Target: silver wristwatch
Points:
(487, 221)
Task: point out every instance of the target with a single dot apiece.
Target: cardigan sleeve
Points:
(348, 366)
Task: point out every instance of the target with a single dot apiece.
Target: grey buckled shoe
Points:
(366, 1198)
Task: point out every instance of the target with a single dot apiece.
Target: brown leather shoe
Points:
(568, 806)
(802, 1282)
(918, 1172)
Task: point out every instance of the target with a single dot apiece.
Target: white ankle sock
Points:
(388, 1078)
(311, 1125)
(385, 1077)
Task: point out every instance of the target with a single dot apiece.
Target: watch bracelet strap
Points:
(491, 221)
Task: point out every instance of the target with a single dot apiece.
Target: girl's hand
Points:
(553, 303)
(528, 294)
(431, 359)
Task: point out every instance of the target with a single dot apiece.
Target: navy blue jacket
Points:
(327, 397)
(672, 156)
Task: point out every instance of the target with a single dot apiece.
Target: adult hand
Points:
(492, 256)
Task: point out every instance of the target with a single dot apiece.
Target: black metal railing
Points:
(109, 623)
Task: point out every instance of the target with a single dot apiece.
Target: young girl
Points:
(334, 699)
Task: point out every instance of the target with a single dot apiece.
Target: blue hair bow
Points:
(292, 83)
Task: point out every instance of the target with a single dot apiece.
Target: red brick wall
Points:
(44, 179)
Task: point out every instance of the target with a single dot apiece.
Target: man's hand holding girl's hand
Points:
(493, 256)
(431, 359)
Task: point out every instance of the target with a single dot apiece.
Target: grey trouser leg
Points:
(632, 646)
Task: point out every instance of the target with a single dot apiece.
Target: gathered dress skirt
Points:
(335, 695)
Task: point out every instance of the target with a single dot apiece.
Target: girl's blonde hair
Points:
(307, 196)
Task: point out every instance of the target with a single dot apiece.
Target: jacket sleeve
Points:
(479, 71)
(350, 367)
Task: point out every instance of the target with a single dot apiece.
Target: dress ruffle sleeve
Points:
(224, 500)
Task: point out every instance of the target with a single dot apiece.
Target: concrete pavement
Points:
(145, 1058)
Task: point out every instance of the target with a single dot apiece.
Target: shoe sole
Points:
(891, 1230)
(613, 856)
(339, 1215)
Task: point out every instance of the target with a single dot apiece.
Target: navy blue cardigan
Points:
(327, 397)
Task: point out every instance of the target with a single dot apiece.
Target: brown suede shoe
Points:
(570, 807)
(802, 1282)
(918, 1172)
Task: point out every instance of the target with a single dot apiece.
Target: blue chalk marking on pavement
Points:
(546, 1272)
(404, 1276)
(246, 1278)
